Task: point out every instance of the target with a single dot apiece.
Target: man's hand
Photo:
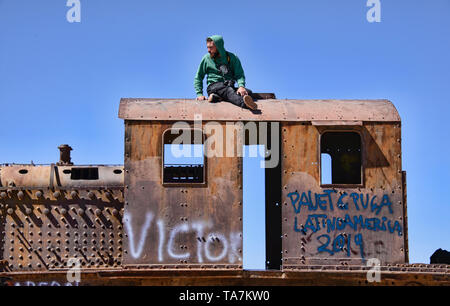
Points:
(201, 98)
(242, 91)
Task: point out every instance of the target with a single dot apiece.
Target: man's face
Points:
(212, 49)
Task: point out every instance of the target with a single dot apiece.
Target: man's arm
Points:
(198, 80)
(238, 72)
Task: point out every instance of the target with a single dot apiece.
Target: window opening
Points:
(344, 150)
(183, 162)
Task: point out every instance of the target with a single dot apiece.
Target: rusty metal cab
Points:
(335, 200)
(52, 215)
(359, 214)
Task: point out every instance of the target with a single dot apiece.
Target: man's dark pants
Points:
(227, 93)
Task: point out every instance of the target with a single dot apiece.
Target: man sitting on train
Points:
(223, 69)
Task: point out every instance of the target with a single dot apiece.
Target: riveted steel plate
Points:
(343, 224)
(179, 226)
(340, 225)
(44, 229)
(269, 110)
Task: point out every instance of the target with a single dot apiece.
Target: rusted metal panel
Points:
(336, 122)
(405, 219)
(402, 275)
(176, 227)
(383, 162)
(45, 176)
(342, 224)
(269, 110)
(44, 228)
(47, 216)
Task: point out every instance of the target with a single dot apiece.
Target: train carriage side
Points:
(339, 181)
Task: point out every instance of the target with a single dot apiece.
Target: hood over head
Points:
(218, 41)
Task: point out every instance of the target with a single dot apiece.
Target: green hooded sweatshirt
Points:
(210, 66)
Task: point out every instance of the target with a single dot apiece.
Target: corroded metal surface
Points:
(47, 218)
(346, 224)
(326, 225)
(269, 110)
(176, 226)
(415, 275)
(45, 228)
(49, 176)
(132, 229)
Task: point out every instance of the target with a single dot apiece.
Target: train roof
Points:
(315, 111)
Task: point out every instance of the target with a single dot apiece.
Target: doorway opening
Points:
(254, 219)
(262, 205)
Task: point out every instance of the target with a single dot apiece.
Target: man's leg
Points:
(247, 100)
(229, 94)
(213, 91)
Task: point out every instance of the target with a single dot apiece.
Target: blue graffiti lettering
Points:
(355, 198)
(355, 223)
(339, 244)
(294, 201)
(348, 221)
(315, 223)
(301, 229)
(331, 225)
(305, 201)
(309, 224)
(362, 200)
(359, 242)
(383, 225)
(397, 227)
(329, 192)
(340, 225)
(358, 220)
(341, 204)
(320, 201)
(384, 202)
(323, 247)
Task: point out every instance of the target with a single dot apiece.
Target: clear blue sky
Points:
(61, 82)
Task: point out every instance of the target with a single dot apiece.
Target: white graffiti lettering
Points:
(214, 240)
(161, 240)
(136, 251)
(180, 228)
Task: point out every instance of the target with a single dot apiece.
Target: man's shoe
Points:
(214, 98)
(248, 101)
